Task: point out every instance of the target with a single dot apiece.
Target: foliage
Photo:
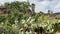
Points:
(17, 16)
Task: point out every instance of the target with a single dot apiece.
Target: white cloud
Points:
(45, 5)
(57, 5)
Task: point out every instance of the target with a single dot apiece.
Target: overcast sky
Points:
(42, 5)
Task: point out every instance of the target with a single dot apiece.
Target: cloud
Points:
(44, 5)
(41, 5)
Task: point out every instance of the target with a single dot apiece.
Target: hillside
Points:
(20, 18)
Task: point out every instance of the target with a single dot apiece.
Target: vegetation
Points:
(19, 17)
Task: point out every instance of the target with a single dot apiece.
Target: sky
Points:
(41, 5)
